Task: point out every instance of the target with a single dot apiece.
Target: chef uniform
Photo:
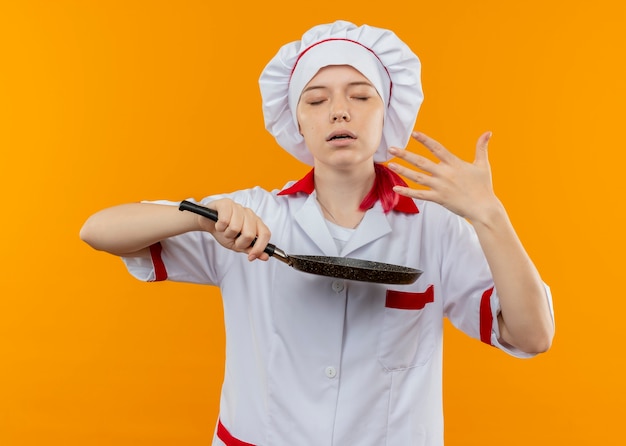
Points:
(313, 360)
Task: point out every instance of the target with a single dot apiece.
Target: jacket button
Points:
(338, 286)
(331, 372)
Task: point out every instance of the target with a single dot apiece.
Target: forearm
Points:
(129, 229)
(525, 321)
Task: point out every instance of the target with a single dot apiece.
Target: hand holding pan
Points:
(339, 267)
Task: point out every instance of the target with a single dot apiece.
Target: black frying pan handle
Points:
(212, 215)
(197, 209)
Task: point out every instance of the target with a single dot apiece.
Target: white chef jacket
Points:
(313, 360)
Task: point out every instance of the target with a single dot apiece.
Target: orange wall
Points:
(104, 102)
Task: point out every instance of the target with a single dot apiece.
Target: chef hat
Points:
(377, 53)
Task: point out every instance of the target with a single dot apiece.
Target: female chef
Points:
(313, 360)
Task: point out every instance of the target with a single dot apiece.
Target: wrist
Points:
(491, 215)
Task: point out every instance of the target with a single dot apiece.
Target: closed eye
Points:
(314, 99)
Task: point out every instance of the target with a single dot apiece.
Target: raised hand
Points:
(464, 188)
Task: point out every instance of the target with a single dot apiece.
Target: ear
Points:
(300, 129)
(298, 119)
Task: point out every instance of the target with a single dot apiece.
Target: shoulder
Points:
(258, 198)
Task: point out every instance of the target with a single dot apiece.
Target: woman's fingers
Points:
(418, 177)
(240, 229)
(482, 145)
(262, 239)
(256, 232)
(435, 147)
(464, 188)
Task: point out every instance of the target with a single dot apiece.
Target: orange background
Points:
(105, 102)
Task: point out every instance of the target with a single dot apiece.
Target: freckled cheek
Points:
(306, 130)
(306, 126)
(310, 134)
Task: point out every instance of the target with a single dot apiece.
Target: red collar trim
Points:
(382, 190)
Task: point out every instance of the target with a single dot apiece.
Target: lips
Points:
(340, 135)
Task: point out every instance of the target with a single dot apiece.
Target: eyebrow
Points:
(351, 84)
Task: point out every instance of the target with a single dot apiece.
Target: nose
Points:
(340, 116)
(339, 112)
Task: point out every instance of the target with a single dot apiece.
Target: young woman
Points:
(313, 360)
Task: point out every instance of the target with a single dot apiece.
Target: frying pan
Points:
(339, 267)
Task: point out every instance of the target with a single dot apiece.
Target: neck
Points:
(340, 193)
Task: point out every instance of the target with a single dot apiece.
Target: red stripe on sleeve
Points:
(486, 317)
(227, 438)
(160, 273)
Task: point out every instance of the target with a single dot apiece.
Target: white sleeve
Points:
(193, 257)
(471, 300)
